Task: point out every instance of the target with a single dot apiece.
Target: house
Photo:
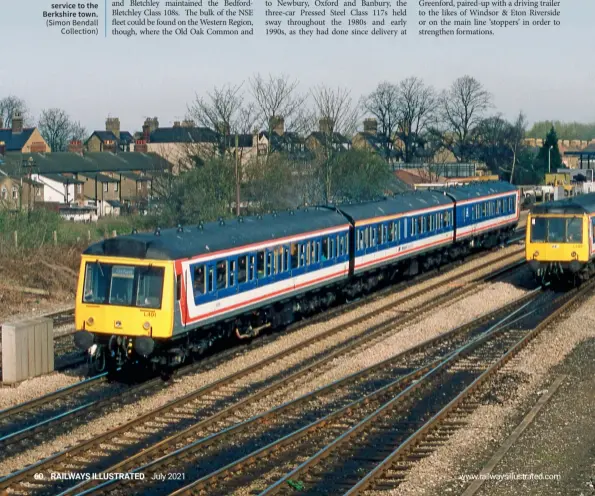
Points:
(370, 140)
(19, 193)
(92, 179)
(326, 138)
(21, 139)
(176, 144)
(279, 140)
(110, 140)
(60, 188)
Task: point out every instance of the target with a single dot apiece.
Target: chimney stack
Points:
(146, 132)
(2, 148)
(113, 124)
(17, 123)
(188, 123)
(109, 146)
(371, 126)
(76, 146)
(177, 124)
(141, 146)
(277, 125)
(325, 125)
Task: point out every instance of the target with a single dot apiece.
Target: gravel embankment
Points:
(517, 388)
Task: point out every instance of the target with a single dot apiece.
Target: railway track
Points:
(371, 443)
(182, 414)
(39, 417)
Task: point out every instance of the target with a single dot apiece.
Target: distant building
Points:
(21, 139)
(325, 138)
(110, 140)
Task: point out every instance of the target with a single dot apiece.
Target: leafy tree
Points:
(549, 151)
(359, 175)
(203, 193)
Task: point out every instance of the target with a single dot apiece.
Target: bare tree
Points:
(78, 131)
(462, 108)
(277, 97)
(338, 116)
(384, 104)
(416, 111)
(225, 111)
(11, 104)
(56, 128)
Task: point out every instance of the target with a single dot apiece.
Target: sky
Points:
(546, 72)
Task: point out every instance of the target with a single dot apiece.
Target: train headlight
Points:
(146, 326)
(535, 255)
(90, 321)
(574, 255)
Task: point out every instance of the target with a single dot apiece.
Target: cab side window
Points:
(199, 284)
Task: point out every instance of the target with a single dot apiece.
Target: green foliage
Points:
(525, 171)
(205, 193)
(359, 175)
(542, 161)
(565, 130)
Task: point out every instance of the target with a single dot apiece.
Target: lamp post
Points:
(549, 159)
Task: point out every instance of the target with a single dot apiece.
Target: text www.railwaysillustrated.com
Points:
(509, 476)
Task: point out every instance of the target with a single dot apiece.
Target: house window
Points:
(105, 187)
(4, 193)
(139, 186)
(115, 187)
(37, 191)
(79, 188)
(15, 193)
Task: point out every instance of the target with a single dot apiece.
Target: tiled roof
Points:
(61, 178)
(64, 162)
(15, 142)
(183, 134)
(125, 137)
(102, 178)
(336, 138)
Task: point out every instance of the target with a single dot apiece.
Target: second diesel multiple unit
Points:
(560, 244)
(161, 297)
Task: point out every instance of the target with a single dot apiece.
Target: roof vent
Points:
(180, 228)
(241, 219)
(259, 217)
(158, 231)
(291, 212)
(200, 225)
(135, 231)
(221, 222)
(274, 213)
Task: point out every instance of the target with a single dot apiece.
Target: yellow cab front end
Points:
(123, 305)
(557, 243)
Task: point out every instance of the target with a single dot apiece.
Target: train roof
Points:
(477, 190)
(405, 202)
(575, 205)
(171, 244)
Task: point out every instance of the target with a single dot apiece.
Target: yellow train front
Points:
(559, 245)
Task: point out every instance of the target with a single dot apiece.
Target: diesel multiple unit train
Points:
(159, 298)
(560, 242)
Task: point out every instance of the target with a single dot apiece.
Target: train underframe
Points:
(110, 353)
(562, 273)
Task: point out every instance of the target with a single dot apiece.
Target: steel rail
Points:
(368, 336)
(176, 439)
(419, 375)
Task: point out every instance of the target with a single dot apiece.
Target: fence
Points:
(88, 238)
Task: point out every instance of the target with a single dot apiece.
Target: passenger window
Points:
(199, 280)
(221, 269)
(294, 256)
(232, 273)
(211, 280)
(252, 267)
(271, 263)
(313, 257)
(325, 255)
(342, 245)
(260, 265)
(391, 231)
(242, 270)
